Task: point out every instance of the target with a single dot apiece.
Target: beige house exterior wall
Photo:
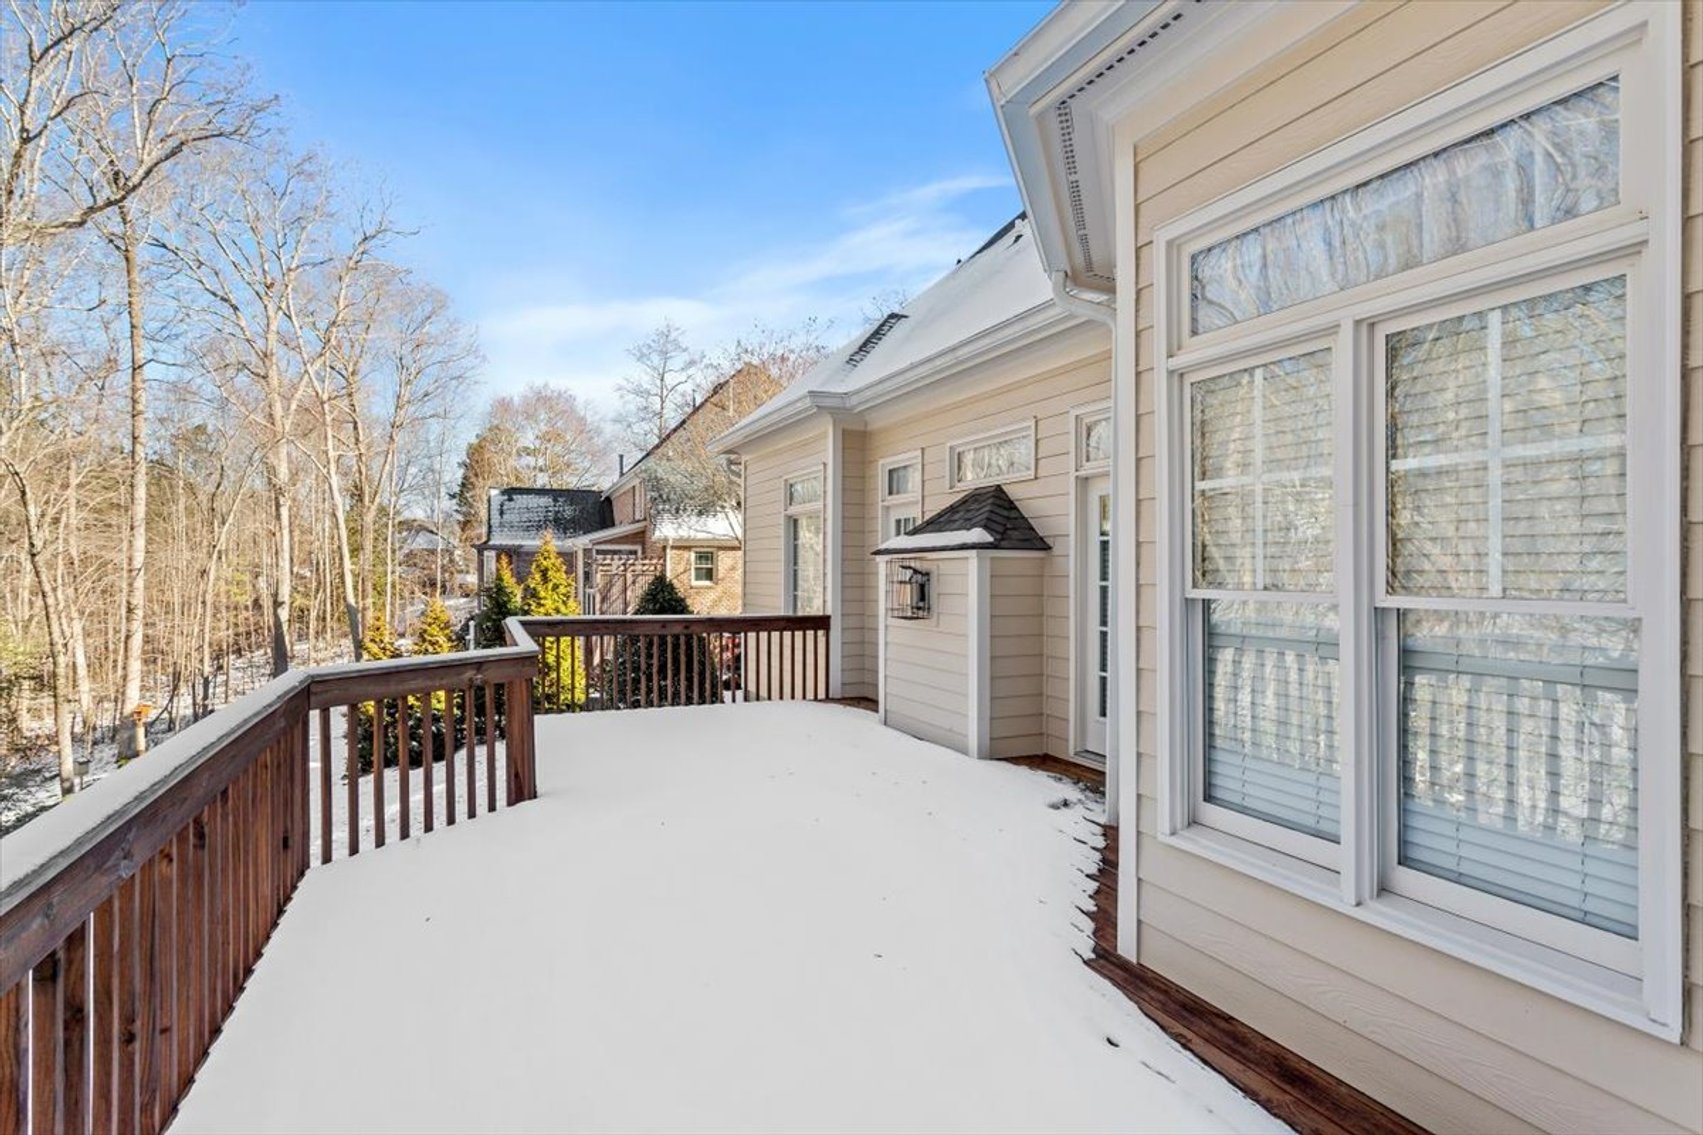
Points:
(926, 692)
(1450, 1044)
(766, 472)
(1040, 673)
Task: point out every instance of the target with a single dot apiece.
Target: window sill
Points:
(1605, 992)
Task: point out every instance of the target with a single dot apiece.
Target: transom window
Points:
(803, 566)
(1549, 165)
(901, 494)
(1094, 439)
(1419, 612)
(1008, 455)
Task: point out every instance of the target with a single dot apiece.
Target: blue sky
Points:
(578, 173)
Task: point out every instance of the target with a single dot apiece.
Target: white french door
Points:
(1093, 613)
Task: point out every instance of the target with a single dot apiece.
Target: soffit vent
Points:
(873, 339)
(1067, 139)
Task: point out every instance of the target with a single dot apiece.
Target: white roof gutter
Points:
(1090, 303)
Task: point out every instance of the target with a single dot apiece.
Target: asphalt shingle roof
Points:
(521, 516)
(987, 517)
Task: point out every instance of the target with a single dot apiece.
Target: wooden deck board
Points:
(1294, 1089)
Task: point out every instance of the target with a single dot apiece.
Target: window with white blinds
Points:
(1261, 446)
(1507, 480)
(1419, 634)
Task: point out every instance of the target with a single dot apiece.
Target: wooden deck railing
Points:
(132, 914)
(641, 661)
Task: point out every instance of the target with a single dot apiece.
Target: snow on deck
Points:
(759, 917)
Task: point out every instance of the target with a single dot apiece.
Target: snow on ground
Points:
(759, 917)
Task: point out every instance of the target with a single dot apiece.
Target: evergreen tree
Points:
(664, 670)
(436, 634)
(549, 591)
(377, 643)
(661, 597)
(500, 600)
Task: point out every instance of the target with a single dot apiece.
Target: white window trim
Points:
(901, 504)
(1025, 428)
(1640, 42)
(693, 567)
(1080, 416)
(789, 599)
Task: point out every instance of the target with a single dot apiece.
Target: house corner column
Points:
(835, 527)
(980, 666)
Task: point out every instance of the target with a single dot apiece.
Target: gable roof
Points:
(997, 287)
(630, 473)
(522, 515)
(983, 520)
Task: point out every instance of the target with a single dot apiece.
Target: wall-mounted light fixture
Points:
(908, 591)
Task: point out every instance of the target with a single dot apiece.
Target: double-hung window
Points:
(901, 494)
(1419, 463)
(703, 567)
(803, 567)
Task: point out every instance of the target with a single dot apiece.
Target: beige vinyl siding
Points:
(1047, 395)
(856, 608)
(926, 690)
(1446, 1042)
(1016, 657)
(766, 472)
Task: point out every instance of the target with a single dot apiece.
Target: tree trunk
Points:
(53, 617)
(130, 742)
(340, 521)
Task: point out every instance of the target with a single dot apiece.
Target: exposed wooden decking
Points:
(1294, 1089)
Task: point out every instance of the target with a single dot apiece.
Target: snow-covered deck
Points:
(759, 917)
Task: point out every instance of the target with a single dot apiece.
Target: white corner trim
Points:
(833, 547)
(979, 671)
(881, 641)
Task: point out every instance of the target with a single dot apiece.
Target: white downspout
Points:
(1086, 302)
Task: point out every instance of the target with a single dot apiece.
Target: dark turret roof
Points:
(522, 516)
(987, 518)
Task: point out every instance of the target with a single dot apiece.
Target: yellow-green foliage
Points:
(549, 591)
(436, 634)
(377, 641)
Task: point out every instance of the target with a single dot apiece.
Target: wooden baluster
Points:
(381, 745)
(165, 970)
(668, 644)
(148, 993)
(490, 748)
(821, 665)
(404, 758)
(74, 1028)
(46, 1046)
(429, 754)
(449, 763)
(191, 1043)
(103, 1015)
(325, 785)
(352, 775)
(14, 1060)
(472, 755)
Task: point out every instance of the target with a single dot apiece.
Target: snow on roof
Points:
(936, 541)
(986, 519)
(685, 527)
(521, 516)
(999, 281)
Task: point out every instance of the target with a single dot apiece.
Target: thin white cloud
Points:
(901, 241)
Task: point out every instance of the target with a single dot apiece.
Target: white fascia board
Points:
(1078, 75)
(587, 539)
(1029, 327)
